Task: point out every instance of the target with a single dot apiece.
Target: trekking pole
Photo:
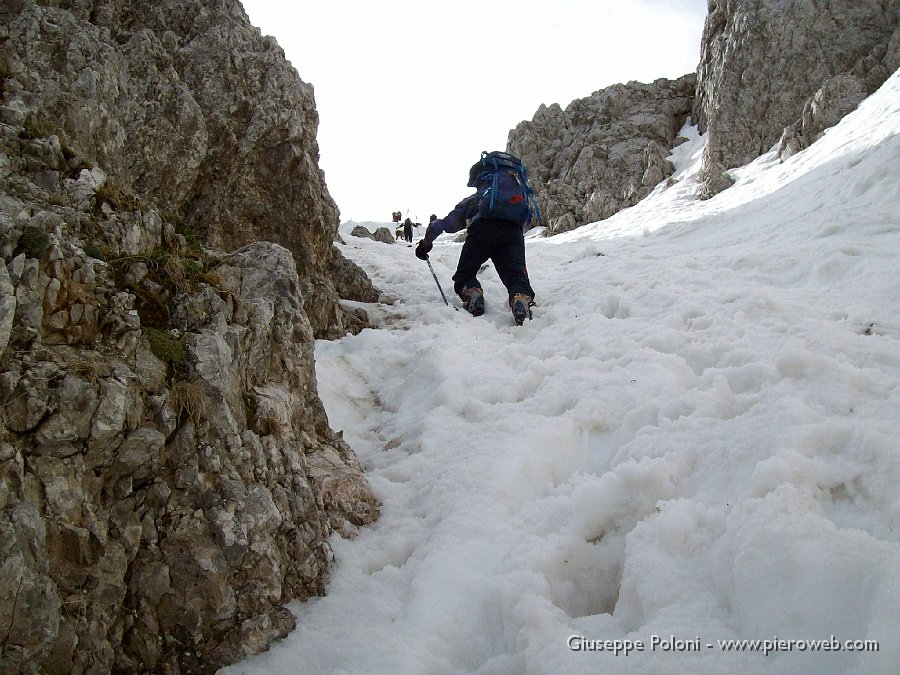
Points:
(438, 283)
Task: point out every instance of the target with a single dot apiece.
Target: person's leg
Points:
(508, 256)
(475, 252)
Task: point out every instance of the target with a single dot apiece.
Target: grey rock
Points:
(384, 235)
(658, 167)
(762, 64)
(233, 153)
(362, 232)
(381, 234)
(7, 308)
(837, 97)
(30, 612)
(770, 72)
(12, 116)
(602, 153)
(161, 489)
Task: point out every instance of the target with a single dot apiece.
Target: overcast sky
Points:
(409, 93)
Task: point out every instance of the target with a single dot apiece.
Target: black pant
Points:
(504, 243)
(407, 232)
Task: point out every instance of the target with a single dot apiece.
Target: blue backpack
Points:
(503, 190)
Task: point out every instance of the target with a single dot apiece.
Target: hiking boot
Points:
(473, 301)
(520, 304)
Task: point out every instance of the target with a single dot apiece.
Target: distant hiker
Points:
(407, 230)
(496, 216)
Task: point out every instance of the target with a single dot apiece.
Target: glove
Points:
(423, 248)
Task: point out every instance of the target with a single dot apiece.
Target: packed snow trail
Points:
(694, 440)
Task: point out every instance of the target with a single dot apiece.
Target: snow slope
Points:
(696, 438)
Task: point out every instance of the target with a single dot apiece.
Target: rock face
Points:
(168, 478)
(604, 152)
(186, 104)
(769, 65)
(774, 71)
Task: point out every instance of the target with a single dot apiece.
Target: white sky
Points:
(696, 436)
(435, 96)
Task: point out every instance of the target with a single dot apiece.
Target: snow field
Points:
(696, 436)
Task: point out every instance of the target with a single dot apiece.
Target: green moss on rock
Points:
(166, 347)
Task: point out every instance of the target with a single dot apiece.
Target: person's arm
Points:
(452, 222)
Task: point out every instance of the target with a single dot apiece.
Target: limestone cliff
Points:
(168, 477)
(187, 105)
(604, 152)
(772, 71)
(768, 65)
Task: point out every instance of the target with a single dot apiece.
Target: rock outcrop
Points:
(770, 72)
(189, 106)
(602, 153)
(168, 477)
(768, 65)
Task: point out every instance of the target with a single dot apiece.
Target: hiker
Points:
(396, 216)
(496, 230)
(407, 230)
